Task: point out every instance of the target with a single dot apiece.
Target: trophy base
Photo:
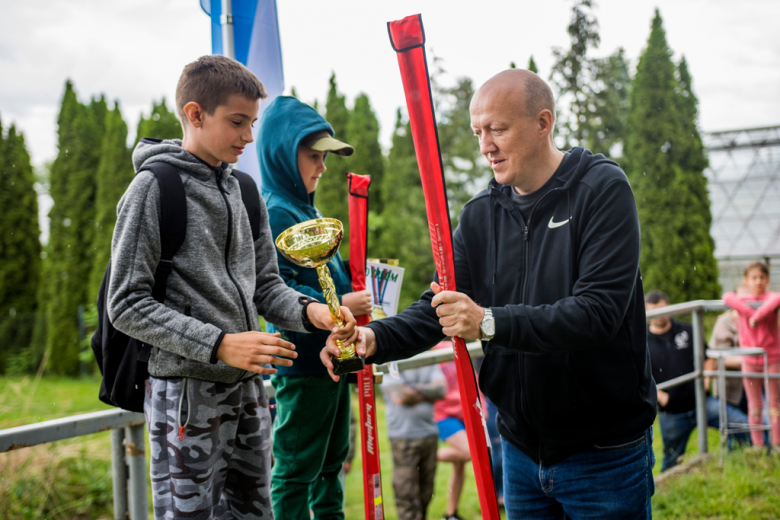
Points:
(345, 366)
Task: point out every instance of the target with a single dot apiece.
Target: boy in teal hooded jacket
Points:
(311, 431)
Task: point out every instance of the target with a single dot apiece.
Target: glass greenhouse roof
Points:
(744, 186)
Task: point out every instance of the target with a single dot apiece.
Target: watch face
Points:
(488, 327)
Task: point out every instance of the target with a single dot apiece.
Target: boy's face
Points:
(756, 281)
(311, 165)
(221, 136)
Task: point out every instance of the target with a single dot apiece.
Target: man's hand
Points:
(458, 315)
(663, 398)
(251, 350)
(359, 302)
(365, 346)
(319, 316)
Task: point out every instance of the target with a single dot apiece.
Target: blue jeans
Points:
(495, 443)
(676, 428)
(603, 482)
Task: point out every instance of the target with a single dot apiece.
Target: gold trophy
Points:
(312, 244)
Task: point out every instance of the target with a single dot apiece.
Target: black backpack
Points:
(124, 361)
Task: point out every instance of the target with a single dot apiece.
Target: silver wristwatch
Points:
(487, 328)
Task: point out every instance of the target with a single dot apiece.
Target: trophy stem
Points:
(332, 299)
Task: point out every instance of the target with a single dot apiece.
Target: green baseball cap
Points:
(323, 142)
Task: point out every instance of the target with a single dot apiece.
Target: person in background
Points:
(670, 343)
(759, 328)
(725, 336)
(491, 422)
(448, 414)
(311, 432)
(413, 436)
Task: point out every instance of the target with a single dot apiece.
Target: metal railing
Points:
(697, 308)
(128, 457)
(128, 437)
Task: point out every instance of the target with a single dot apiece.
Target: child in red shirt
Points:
(448, 414)
(759, 328)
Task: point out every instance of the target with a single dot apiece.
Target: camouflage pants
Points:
(414, 466)
(221, 467)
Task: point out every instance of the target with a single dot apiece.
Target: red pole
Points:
(358, 224)
(408, 40)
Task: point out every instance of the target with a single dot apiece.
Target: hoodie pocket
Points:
(557, 399)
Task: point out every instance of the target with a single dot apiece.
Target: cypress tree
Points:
(20, 250)
(161, 124)
(665, 166)
(114, 173)
(610, 101)
(592, 92)
(40, 330)
(570, 74)
(694, 157)
(332, 190)
(363, 128)
(532, 65)
(37, 348)
(465, 169)
(71, 246)
(404, 225)
(59, 224)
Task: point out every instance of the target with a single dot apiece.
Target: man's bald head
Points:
(513, 116)
(519, 89)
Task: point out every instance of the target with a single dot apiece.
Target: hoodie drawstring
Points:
(492, 235)
(185, 389)
(572, 248)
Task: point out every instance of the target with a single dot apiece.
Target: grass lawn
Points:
(72, 478)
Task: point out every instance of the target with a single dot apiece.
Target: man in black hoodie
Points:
(547, 265)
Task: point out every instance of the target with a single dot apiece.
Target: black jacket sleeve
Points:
(608, 267)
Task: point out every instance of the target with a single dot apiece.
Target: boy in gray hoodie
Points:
(205, 406)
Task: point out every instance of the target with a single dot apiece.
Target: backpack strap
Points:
(173, 222)
(251, 198)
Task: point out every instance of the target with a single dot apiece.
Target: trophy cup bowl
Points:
(312, 244)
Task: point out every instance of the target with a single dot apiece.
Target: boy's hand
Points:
(250, 350)
(359, 302)
(365, 346)
(319, 316)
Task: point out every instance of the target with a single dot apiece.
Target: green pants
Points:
(311, 441)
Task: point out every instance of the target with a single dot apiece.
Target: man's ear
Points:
(545, 121)
(194, 114)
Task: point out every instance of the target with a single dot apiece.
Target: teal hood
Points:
(285, 122)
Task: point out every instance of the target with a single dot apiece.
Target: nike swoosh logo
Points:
(553, 225)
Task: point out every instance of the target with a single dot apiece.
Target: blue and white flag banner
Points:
(257, 45)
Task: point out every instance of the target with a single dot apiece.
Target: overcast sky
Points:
(133, 51)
